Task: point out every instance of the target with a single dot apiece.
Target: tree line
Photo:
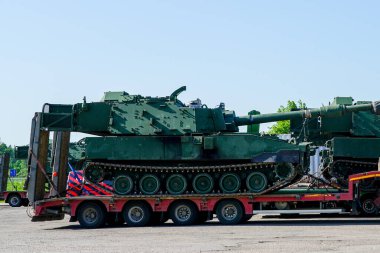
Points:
(18, 165)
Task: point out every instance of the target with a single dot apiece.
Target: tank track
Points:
(341, 169)
(112, 171)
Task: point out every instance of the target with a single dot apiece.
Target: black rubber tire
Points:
(368, 207)
(14, 200)
(229, 212)
(137, 214)
(95, 211)
(177, 210)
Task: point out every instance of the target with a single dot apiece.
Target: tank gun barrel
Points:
(324, 111)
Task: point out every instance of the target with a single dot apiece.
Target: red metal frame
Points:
(162, 204)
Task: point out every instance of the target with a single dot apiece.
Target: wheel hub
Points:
(183, 213)
(136, 214)
(229, 212)
(14, 200)
(90, 215)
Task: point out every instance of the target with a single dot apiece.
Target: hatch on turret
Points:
(115, 96)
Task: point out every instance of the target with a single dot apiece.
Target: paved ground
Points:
(261, 234)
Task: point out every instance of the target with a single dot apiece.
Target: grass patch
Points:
(15, 185)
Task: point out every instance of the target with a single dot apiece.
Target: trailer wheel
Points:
(15, 200)
(137, 214)
(369, 207)
(229, 212)
(184, 213)
(91, 215)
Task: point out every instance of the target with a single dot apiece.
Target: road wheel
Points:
(123, 185)
(229, 212)
(15, 200)
(91, 215)
(184, 213)
(256, 182)
(137, 214)
(203, 183)
(149, 184)
(229, 183)
(176, 184)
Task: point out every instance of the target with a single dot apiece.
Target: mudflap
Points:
(48, 217)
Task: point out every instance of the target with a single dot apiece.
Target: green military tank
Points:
(352, 140)
(161, 146)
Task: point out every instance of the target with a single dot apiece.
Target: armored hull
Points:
(224, 163)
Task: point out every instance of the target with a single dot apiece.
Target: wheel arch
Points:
(140, 201)
(183, 200)
(9, 195)
(76, 207)
(229, 199)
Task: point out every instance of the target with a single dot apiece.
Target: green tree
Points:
(18, 165)
(5, 149)
(283, 127)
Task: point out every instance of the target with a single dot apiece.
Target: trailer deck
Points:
(227, 207)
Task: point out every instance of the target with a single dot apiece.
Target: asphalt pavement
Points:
(260, 234)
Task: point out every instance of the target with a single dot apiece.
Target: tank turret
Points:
(120, 113)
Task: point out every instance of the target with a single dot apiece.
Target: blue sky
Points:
(248, 54)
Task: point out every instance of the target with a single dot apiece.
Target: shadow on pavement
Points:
(302, 221)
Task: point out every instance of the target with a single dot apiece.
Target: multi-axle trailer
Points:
(94, 206)
(155, 158)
